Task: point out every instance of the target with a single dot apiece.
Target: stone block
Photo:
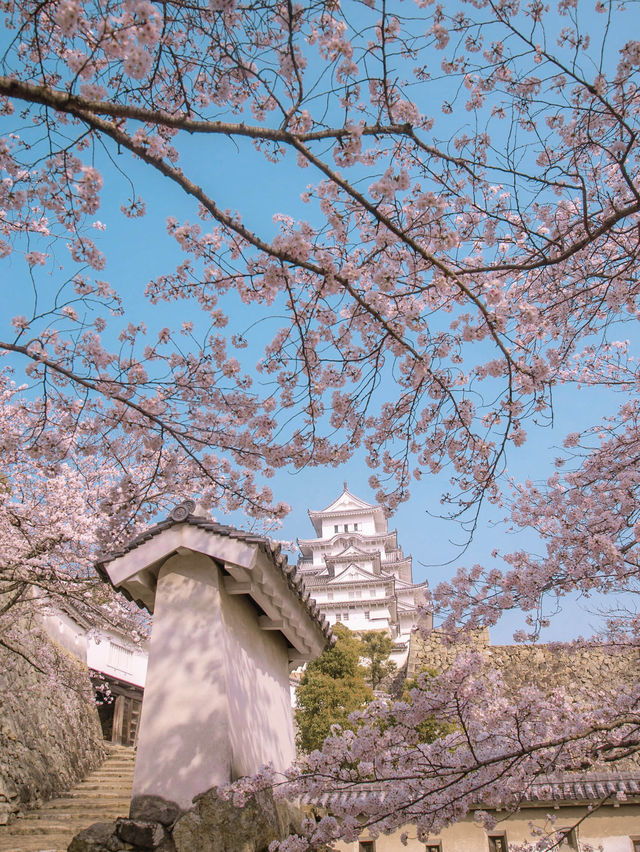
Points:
(99, 837)
(148, 835)
(154, 809)
(217, 825)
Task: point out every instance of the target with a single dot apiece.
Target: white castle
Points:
(358, 574)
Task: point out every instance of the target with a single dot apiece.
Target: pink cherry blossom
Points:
(469, 251)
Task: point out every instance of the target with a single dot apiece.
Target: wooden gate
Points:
(126, 719)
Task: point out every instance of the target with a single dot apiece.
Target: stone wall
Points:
(213, 824)
(50, 736)
(585, 669)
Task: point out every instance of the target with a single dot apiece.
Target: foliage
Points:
(332, 687)
(470, 172)
(430, 729)
(50, 531)
(376, 648)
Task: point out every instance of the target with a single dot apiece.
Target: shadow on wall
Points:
(217, 702)
(257, 689)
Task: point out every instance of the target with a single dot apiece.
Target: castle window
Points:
(355, 527)
(335, 528)
(346, 527)
(635, 842)
(433, 847)
(120, 658)
(367, 615)
(367, 846)
(498, 843)
(345, 616)
(330, 595)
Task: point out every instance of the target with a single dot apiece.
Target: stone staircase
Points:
(103, 795)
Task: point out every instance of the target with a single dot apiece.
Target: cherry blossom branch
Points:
(109, 388)
(80, 107)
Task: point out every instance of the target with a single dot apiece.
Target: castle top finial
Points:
(345, 486)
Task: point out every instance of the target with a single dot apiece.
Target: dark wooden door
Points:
(126, 719)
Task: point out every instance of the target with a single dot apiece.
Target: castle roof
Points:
(348, 505)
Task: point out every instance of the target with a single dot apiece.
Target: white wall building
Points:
(116, 656)
(117, 664)
(357, 573)
(231, 618)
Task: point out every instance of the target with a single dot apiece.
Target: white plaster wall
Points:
(381, 614)
(368, 525)
(320, 550)
(328, 528)
(217, 700)
(357, 621)
(258, 691)
(377, 621)
(66, 632)
(609, 827)
(365, 522)
(134, 670)
(184, 743)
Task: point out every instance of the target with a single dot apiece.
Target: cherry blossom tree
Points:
(50, 529)
(470, 172)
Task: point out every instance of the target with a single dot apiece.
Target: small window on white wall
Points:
(120, 657)
(498, 843)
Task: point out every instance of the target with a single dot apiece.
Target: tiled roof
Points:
(272, 549)
(584, 788)
(587, 788)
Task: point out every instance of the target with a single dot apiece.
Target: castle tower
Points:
(357, 573)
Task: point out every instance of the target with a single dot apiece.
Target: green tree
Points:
(332, 687)
(429, 729)
(376, 648)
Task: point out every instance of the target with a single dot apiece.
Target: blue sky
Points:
(243, 181)
(139, 249)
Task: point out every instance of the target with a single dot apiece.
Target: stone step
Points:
(115, 776)
(121, 778)
(98, 803)
(80, 811)
(114, 773)
(46, 827)
(55, 843)
(101, 797)
(102, 788)
(98, 795)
